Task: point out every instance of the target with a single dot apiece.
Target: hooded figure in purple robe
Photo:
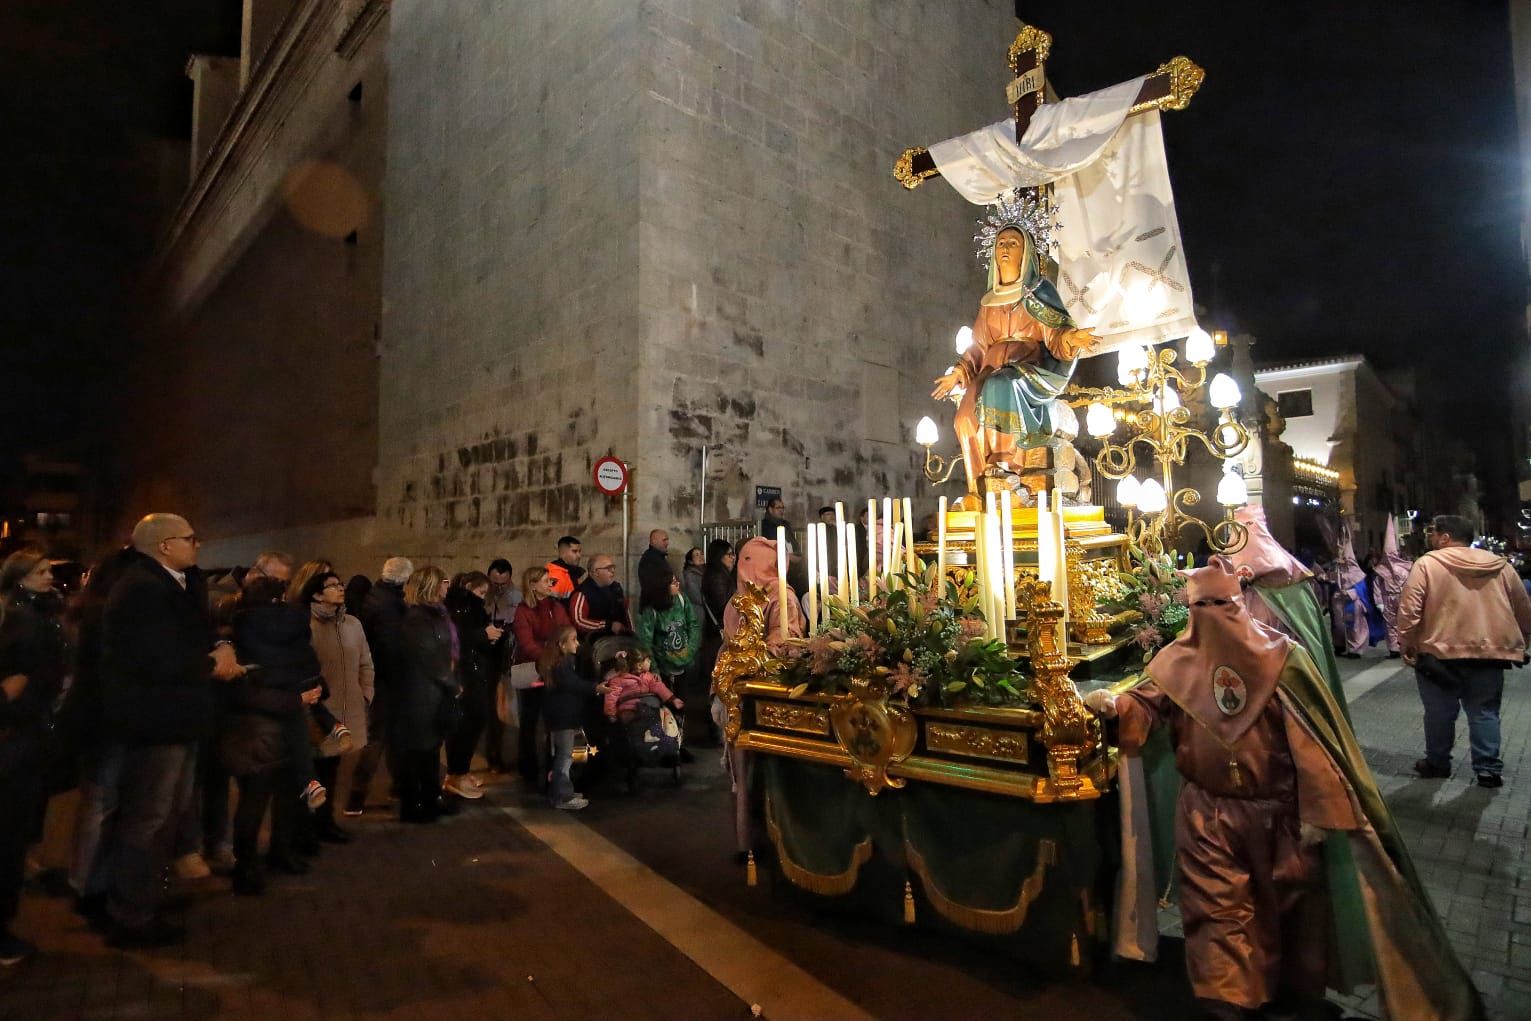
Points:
(1350, 607)
(1391, 571)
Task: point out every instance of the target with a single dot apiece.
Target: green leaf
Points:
(956, 686)
(799, 691)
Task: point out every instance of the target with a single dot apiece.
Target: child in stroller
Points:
(647, 732)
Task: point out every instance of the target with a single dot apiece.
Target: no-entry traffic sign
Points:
(610, 476)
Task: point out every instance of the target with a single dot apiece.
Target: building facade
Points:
(637, 229)
(1373, 471)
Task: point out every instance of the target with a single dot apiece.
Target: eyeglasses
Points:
(333, 584)
(605, 567)
(1213, 602)
(186, 538)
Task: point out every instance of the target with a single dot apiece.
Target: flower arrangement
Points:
(1154, 588)
(922, 641)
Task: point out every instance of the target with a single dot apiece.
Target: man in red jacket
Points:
(1462, 618)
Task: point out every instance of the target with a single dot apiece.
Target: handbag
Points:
(505, 708)
(523, 675)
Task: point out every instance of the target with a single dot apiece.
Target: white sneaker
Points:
(191, 866)
(472, 781)
(574, 804)
(459, 786)
(314, 795)
(336, 742)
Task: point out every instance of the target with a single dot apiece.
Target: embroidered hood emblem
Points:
(1228, 691)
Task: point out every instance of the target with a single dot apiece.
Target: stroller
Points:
(652, 738)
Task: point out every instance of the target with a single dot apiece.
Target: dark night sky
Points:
(1347, 178)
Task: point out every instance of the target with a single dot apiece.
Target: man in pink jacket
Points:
(1462, 618)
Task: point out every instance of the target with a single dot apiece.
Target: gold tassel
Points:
(751, 876)
(1233, 771)
(908, 903)
(1074, 950)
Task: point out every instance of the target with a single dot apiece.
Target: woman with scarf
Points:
(1024, 349)
(427, 706)
(345, 662)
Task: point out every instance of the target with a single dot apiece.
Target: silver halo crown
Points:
(1026, 209)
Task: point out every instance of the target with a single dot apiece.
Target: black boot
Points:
(249, 879)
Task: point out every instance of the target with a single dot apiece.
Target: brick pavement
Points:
(450, 921)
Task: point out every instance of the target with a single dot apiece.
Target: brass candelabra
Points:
(1149, 404)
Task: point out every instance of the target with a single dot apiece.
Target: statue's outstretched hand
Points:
(946, 384)
(1078, 342)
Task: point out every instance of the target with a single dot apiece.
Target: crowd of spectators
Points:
(212, 721)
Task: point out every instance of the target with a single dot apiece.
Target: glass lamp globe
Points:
(1131, 359)
(1231, 491)
(1199, 349)
(1151, 497)
(1166, 402)
(1127, 491)
(1224, 392)
(925, 432)
(1098, 420)
(964, 339)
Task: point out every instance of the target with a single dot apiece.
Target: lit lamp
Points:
(1231, 491)
(1099, 421)
(964, 339)
(1128, 492)
(1166, 401)
(938, 469)
(1224, 392)
(1199, 349)
(1130, 361)
(1151, 497)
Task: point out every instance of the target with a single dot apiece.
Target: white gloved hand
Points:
(1101, 702)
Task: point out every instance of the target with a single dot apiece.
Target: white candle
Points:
(871, 548)
(854, 574)
(1045, 560)
(996, 567)
(783, 593)
(1061, 584)
(1007, 555)
(887, 535)
(813, 582)
(909, 560)
(941, 546)
(898, 542)
(824, 571)
(840, 549)
(981, 576)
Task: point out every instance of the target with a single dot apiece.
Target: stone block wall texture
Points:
(649, 227)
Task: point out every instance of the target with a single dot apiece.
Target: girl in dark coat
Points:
(426, 706)
(564, 711)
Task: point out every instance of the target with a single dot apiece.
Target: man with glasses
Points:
(159, 663)
(599, 607)
(1463, 616)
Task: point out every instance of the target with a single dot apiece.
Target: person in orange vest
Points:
(565, 570)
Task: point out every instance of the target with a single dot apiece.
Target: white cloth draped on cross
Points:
(1121, 264)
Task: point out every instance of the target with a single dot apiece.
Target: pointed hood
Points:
(1393, 567)
(1347, 569)
(1222, 670)
(1266, 560)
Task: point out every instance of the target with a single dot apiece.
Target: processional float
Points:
(922, 741)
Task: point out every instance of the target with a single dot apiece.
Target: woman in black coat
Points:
(427, 704)
(265, 738)
(32, 664)
(477, 671)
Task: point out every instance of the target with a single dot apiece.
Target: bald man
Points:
(654, 568)
(159, 661)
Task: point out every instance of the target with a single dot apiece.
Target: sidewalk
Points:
(1469, 844)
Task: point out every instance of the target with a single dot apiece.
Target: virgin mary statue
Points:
(1025, 346)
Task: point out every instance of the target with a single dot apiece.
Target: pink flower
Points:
(825, 659)
(1148, 637)
(865, 646)
(905, 676)
(1182, 597)
(973, 627)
